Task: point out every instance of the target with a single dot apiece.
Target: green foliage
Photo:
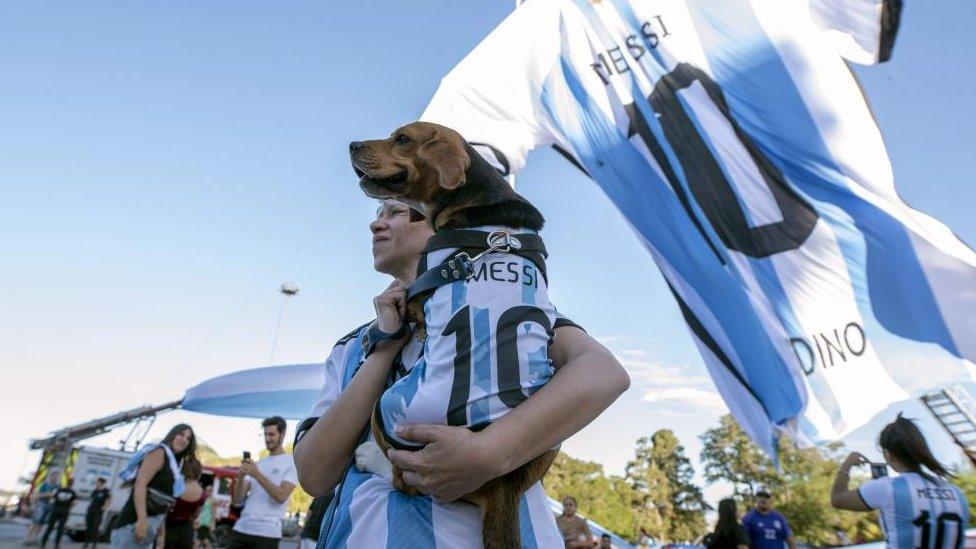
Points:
(208, 456)
(657, 494)
(729, 455)
(662, 475)
(609, 501)
(966, 481)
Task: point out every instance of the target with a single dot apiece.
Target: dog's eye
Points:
(401, 138)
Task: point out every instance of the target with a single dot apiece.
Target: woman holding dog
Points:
(455, 460)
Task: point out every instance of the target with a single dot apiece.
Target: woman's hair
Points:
(903, 441)
(728, 521)
(191, 449)
(192, 469)
(570, 498)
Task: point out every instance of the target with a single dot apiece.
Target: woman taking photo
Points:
(728, 534)
(919, 507)
(157, 482)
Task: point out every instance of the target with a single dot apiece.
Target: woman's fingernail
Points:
(399, 431)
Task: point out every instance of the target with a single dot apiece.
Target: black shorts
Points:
(179, 535)
(247, 541)
(203, 534)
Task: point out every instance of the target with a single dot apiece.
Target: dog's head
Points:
(413, 164)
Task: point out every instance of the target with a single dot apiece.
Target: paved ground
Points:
(12, 531)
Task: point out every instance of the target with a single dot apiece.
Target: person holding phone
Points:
(267, 485)
(919, 507)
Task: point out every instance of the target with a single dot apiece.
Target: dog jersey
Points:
(916, 511)
(486, 349)
(368, 512)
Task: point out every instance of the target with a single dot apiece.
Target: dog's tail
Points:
(501, 518)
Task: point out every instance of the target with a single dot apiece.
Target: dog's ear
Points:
(446, 156)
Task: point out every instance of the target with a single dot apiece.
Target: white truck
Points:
(92, 463)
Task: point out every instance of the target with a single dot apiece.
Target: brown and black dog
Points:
(435, 171)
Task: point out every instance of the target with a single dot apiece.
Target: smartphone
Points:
(879, 470)
(247, 455)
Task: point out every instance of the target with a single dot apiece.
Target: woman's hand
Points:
(853, 460)
(142, 528)
(451, 465)
(841, 496)
(391, 307)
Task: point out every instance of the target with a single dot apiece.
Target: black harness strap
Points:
(460, 265)
(468, 238)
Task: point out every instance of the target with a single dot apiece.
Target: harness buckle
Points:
(464, 265)
(502, 241)
(498, 241)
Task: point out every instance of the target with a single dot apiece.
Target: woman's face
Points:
(182, 440)
(569, 507)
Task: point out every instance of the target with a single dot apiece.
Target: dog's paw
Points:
(370, 459)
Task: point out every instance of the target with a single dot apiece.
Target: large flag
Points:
(735, 140)
(286, 391)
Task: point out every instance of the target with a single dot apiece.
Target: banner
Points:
(286, 391)
(735, 140)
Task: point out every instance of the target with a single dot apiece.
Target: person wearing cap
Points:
(766, 527)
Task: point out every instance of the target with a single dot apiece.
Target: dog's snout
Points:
(356, 145)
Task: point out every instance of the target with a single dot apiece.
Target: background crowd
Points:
(656, 502)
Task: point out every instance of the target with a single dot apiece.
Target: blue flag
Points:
(736, 142)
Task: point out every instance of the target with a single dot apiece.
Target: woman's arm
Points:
(456, 461)
(326, 449)
(151, 464)
(841, 496)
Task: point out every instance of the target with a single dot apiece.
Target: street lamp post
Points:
(287, 290)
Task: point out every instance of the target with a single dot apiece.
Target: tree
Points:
(662, 476)
(610, 501)
(966, 480)
(728, 454)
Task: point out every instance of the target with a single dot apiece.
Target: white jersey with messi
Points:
(918, 512)
(734, 139)
(368, 512)
(486, 349)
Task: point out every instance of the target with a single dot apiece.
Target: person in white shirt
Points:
(919, 507)
(267, 485)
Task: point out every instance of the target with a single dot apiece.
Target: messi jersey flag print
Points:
(735, 140)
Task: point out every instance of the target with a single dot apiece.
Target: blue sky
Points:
(165, 166)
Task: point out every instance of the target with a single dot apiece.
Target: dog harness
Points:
(489, 324)
(461, 263)
(471, 246)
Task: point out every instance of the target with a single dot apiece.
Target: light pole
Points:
(287, 290)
